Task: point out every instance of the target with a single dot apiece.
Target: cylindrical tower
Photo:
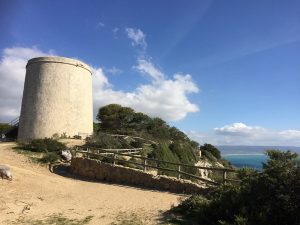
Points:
(57, 99)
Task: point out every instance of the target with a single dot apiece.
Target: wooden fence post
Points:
(224, 176)
(178, 173)
(87, 153)
(114, 159)
(145, 164)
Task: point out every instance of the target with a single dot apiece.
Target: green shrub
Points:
(101, 140)
(50, 157)
(208, 155)
(4, 127)
(43, 145)
(269, 197)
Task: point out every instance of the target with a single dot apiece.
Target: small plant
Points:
(63, 135)
(55, 136)
(77, 137)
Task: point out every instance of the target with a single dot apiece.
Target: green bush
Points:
(268, 197)
(101, 140)
(43, 145)
(50, 157)
(162, 152)
(4, 127)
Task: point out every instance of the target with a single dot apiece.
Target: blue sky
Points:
(225, 72)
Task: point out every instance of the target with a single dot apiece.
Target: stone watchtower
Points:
(57, 98)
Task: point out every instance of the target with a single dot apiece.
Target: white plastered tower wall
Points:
(57, 98)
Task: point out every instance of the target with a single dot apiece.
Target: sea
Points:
(250, 156)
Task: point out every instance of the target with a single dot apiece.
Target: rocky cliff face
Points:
(205, 163)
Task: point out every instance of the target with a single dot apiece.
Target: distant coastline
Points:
(248, 149)
(250, 156)
(242, 154)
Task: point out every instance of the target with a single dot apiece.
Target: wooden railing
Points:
(112, 155)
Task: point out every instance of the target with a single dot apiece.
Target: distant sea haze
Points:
(250, 156)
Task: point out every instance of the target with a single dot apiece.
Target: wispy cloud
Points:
(184, 25)
(115, 31)
(113, 71)
(146, 67)
(138, 38)
(240, 50)
(100, 24)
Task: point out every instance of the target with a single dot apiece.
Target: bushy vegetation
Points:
(49, 148)
(102, 140)
(171, 144)
(268, 197)
(4, 127)
(49, 157)
(114, 118)
(43, 145)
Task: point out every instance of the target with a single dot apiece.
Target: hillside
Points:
(158, 139)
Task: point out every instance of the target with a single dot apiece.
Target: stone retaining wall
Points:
(98, 170)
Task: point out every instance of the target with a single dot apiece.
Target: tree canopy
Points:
(208, 149)
(115, 118)
(172, 144)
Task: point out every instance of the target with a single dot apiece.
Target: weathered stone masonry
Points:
(94, 169)
(57, 98)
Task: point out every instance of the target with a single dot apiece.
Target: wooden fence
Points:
(113, 155)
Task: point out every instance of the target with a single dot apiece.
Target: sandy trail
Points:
(35, 193)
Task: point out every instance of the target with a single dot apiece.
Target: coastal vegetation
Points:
(268, 197)
(122, 127)
(47, 150)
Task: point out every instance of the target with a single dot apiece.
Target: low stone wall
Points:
(98, 170)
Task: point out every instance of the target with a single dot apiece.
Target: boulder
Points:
(5, 172)
(66, 155)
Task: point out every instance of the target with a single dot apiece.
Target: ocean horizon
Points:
(247, 160)
(250, 156)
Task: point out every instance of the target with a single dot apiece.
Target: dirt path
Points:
(35, 194)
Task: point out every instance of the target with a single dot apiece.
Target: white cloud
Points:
(242, 134)
(12, 75)
(239, 129)
(166, 98)
(138, 38)
(162, 97)
(290, 134)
